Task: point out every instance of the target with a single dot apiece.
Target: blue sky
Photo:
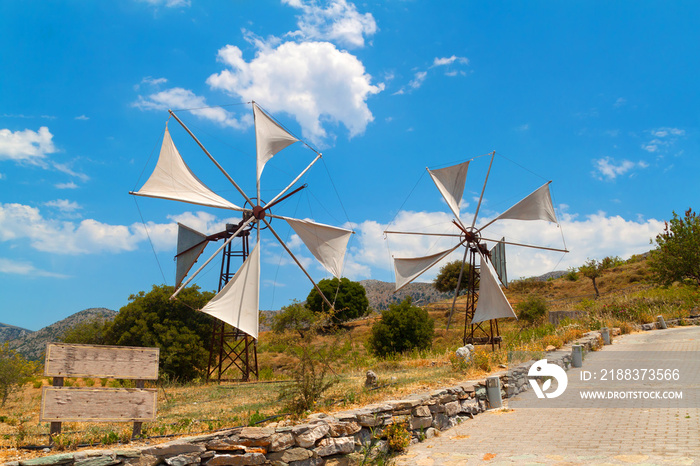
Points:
(599, 97)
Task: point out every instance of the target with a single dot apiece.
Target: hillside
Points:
(10, 332)
(32, 344)
(381, 294)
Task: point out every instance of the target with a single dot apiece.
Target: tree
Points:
(182, 333)
(349, 299)
(677, 256)
(532, 310)
(15, 371)
(296, 317)
(592, 269)
(90, 332)
(402, 327)
(446, 280)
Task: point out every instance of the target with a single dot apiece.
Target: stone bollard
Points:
(577, 356)
(661, 322)
(493, 392)
(605, 333)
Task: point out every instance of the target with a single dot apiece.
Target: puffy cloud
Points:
(609, 169)
(595, 236)
(69, 185)
(26, 146)
(12, 267)
(338, 22)
(179, 98)
(313, 81)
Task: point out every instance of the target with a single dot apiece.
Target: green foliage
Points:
(90, 332)
(446, 280)
(296, 317)
(182, 333)
(610, 262)
(401, 328)
(15, 371)
(592, 269)
(532, 310)
(348, 298)
(571, 275)
(677, 256)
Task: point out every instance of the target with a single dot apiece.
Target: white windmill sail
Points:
(270, 138)
(326, 243)
(408, 269)
(450, 181)
(173, 180)
(237, 303)
(536, 206)
(492, 303)
(190, 245)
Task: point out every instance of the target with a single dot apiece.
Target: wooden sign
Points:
(71, 404)
(118, 362)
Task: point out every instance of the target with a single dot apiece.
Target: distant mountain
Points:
(381, 294)
(10, 332)
(33, 344)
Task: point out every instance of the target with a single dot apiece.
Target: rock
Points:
(183, 460)
(334, 446)
(452, 408)
(293, 454)
(421, 411)
(306, 435)
(256, 433)
(550, 348)
(651, 326)
(48, 460)
(441, 422)
(343, 429)
(143, 460)
(237, 460)
(430, 433)
(465, 353)
(174, 449)
(371, 380)
(227, 445)
(281, 441)
(420, 422)
(105, 461)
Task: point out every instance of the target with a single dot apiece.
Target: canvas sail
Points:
(450, 182)
(327, 244)
(190, 245)
(237, 303)
(270, 138)
(492, 303)
(536, 206)
(172, 179)
(408, 269)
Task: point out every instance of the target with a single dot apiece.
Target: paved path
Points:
(583, 436)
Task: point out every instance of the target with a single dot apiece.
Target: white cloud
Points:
(620, 102)
(26, 146)
(609, 169)
(64, 205)
(69, 185)
(313, 81)
(82, 117)
(662, 140)
(596, 236)
(12, 267)
(179, 98)
(338, 22)
(450, 60)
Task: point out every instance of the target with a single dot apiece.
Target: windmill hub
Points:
(259, 212)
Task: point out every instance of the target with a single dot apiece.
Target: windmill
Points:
(237, 302)
(491, 303)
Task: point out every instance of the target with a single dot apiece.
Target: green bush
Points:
(402, 327)
(348, 298)
(532, 310)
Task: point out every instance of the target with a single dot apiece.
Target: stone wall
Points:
(340, 439)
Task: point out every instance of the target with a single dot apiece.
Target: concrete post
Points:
(661, 322)
(605, 333)
(493, 392)
(577, 356)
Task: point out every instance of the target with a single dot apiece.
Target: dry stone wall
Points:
(339, 439)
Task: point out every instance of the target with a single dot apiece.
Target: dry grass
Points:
(198, 408)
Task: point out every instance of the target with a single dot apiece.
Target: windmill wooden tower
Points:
(237, 302)
(485, 302)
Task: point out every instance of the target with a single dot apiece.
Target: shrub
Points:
(397, 437)
(401, 328)
(15, 371)
(532, 310)
(348, 298)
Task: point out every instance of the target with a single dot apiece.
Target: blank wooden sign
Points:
(119, 362)
(70, 404)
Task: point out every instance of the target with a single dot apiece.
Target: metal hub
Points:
(259, 212)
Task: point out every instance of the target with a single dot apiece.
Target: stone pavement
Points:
(578, 435)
